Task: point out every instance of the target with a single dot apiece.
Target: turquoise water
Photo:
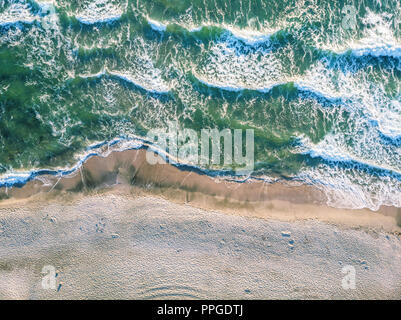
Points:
(320, 89)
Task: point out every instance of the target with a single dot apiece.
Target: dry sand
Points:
(120, 228)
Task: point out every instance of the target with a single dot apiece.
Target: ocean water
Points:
(318, 80)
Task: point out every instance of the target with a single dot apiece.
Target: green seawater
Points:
(318, 82)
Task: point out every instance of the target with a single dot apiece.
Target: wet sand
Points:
(130, 170)
(120, 228)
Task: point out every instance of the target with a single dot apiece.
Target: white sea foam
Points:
(152, 83)
(14, 178)
(312, 87)
(86, 19)
(247, 35)
(327, 149)
(235, 88)
(375, 46)
(224, 67)
(156, 25)
(389, 119)
(357, 91)
(93, 75)
(45, 5)
(100, 11)
(376, 49)
(102, 149)
(378, 40)
(354, 189)
(333, 148)
(17, 13)
(21, 13)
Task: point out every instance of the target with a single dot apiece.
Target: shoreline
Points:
(128, 172)
(120, 228)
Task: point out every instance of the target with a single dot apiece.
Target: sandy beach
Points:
(154, 149)
(119, 228)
